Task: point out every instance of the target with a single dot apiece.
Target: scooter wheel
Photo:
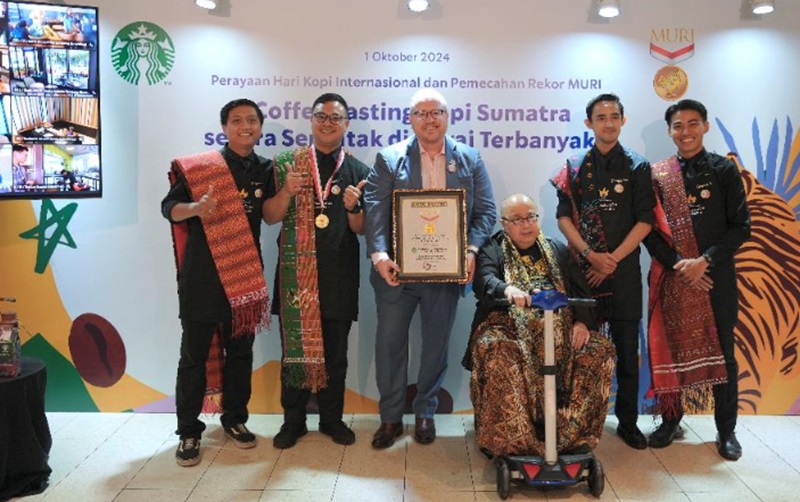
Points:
(597, 478)
(503, 478)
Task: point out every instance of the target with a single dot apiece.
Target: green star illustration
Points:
(49, 215)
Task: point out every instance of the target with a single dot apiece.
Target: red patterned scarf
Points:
(235, 256)
(301, 318)
(685, 356)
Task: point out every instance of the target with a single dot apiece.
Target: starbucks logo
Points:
(142, 49)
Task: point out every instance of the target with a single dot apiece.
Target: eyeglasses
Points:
(321, 118)
(518, 222)
(425, 115)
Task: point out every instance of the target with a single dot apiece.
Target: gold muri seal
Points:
(671, 83)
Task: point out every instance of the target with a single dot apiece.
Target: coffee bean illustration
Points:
(97, 350)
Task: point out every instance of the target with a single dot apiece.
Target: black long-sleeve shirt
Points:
(721, 222)
(718, 206)
(620, 183)
(200, 291)
(337, 247)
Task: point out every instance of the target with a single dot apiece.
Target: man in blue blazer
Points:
(429, 159)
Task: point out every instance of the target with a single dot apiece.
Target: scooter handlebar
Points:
(547, 300)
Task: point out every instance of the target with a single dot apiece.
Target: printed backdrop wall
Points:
(101, 308)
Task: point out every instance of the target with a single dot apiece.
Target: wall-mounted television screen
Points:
(49, 101)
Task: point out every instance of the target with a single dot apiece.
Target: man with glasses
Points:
(506, 350)
(427, 160)
(605, 209)
(318, 200)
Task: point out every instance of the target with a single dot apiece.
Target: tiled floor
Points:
(130, 457)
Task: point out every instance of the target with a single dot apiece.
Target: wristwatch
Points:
(586, 251)
(357, 209)
(707, 258)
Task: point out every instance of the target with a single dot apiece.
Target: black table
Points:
(24, 433)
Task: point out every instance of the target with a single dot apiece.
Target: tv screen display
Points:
(49, 101)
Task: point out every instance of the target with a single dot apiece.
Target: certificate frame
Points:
(429, 235)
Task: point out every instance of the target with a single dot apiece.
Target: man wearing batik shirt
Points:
(701, 220)
(605, 209)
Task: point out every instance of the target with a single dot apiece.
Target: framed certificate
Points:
(429, 230)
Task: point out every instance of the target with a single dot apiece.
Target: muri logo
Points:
(142, 48)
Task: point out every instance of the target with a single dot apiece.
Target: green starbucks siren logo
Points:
(142, 49)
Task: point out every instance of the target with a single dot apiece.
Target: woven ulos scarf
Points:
(587, 220)
(301, 319)
(235, 257)
(685, 355)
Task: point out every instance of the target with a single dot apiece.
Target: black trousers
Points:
(625, 335)
(330, 399)
(191, 382)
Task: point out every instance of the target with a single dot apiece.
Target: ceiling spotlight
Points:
(418, 5)
(762, 6)
(608, 8)
(206, 4)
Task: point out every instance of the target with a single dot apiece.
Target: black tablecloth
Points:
(24, 434)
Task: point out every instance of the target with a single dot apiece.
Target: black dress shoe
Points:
(384, 436)
(728, 446)
(425, 430)
(632, 436)
(665, 434)
(341, 433)
(289, 434)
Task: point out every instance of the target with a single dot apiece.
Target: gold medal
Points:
(321, 221)
(670, 83)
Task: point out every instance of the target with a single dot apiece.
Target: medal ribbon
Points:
(317, 179)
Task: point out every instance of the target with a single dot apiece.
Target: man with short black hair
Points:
(215, 205)
(318, 201)
(701, 221)
(605, 209)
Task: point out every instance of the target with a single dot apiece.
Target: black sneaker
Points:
(288, 435)
(665, 434)
(188, 452)
(341, 433)
(241, 436)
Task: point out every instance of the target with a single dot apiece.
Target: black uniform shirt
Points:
(718, 206)
(337, 246)
(621, 180)
(200, 291)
